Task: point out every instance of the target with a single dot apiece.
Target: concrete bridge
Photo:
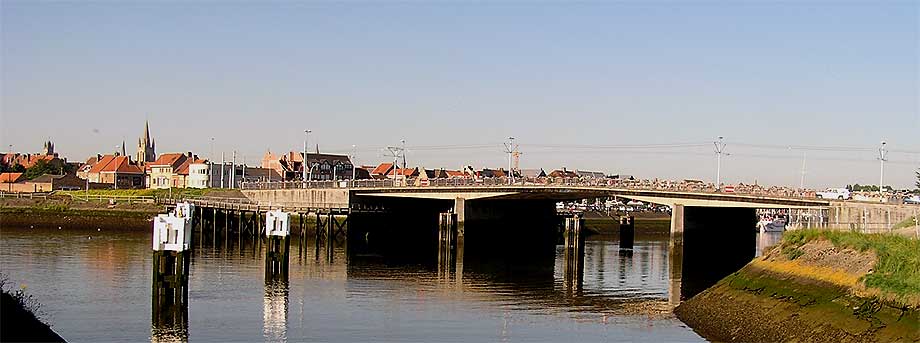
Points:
(712, 234)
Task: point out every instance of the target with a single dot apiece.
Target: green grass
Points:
(905, 223)
(176, 192)
(897, 270)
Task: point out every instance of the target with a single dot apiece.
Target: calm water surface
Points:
(96, 286)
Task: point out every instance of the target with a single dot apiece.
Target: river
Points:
(96, 286)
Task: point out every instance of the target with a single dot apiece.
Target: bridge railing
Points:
(654, 185)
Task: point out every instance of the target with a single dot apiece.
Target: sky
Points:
(630, 87)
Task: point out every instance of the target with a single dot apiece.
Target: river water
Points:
(96, 286)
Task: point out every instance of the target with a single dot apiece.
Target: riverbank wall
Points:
(816, 287)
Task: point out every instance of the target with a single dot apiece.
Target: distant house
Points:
(117, 171)
(435, 173)
(456, 174)
(7, 180)
(533, 173)
(319, 166)
(198, 175)
(589, 174)
(164, 172)
(562, 173)
(48, 182)
(381, 171)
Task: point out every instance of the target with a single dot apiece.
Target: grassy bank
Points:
(160, 193)
(825, 286)
(896, 274)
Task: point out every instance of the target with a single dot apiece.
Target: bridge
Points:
(712, 234)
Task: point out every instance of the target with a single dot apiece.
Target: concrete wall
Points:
(321, 198)
(868, 217)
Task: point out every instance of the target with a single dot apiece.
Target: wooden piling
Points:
(627, 232)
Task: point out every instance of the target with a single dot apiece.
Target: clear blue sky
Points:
(555, 76)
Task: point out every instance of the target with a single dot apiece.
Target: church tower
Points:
(146, 147)
(48, 148)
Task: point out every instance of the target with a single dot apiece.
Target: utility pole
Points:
(720, 148)
(882, 157)
(306, 137)
(509, 148)
(396, 152)
(403, 149)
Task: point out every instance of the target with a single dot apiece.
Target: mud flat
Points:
(817, 287)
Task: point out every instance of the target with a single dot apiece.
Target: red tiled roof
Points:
(10, 177)
(404, 172)
(173, 159)
(453, 173)
(382, 168)
(120, 164)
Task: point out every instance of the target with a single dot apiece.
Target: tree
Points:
(40, 168)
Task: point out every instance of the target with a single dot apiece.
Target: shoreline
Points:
(813, 286)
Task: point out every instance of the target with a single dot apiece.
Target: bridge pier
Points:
(574, 253)
(707, 244)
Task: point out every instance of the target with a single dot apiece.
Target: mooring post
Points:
(574, 252)
(330, 237)
(277, 234)
(172, 234)
(676, 254)
(446, 230)
(627, 232)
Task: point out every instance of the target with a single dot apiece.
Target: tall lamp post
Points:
(354, 168)
(720, 149)
(117, 147)
(882, 157)
(306, 136)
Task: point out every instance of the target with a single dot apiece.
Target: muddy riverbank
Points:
(67, 214)
(817, 290)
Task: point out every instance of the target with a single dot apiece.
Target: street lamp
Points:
(720, 148)
(117, 147)
(882, 157)
(354, 154)
(306, 137)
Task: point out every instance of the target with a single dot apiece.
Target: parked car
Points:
(834, 193)
(912, 200)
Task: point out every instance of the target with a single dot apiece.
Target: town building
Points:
(47, 154)
(229, 175)
(320, 166)
(533, 173)
(118, 171)
(562, 173)
(589, 174)
(172, 171)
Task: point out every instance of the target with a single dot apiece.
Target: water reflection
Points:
(275, 310)
(358, 295)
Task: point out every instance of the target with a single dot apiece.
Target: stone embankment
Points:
(817, 287)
